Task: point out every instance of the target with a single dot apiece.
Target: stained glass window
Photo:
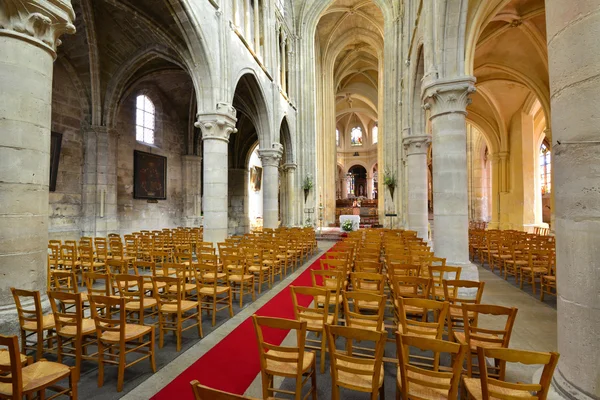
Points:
(144, 120)
(356, 138)
(337, 137)
(545, 169)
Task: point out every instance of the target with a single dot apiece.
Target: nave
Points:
(227, 358)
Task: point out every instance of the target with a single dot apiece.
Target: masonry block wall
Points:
(137, 214)
(65, 204)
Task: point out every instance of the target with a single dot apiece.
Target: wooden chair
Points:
(88, 261)
(359, 307)
(422, 327)
(475, 336)
(117, 338)
(539, 265)
(202, 392)
(33, 323)
(261, 271)
(331, 280)
(172, 309)
(17, 381)
(137, 304)
(486, 387)
(351, 371)
(285, 361)
(548, 283)
(209, 288)
(453, 290)
(74, 332)
(418, 383)
(315, 317)
(438, 274)
(239, 278)
(368, 266)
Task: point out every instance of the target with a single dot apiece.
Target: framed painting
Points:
(149, 176)
(55, 145)
(256, 178)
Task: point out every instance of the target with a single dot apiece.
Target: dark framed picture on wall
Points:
(55, 145)
(149, 176)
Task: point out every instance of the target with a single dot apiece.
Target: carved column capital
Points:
(271, 157)
(41, 22)
(448, 96)
(218, 125)
(416, 144)
(290, 167)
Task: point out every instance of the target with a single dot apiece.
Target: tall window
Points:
(545, 169)
(356, 138)
(375, 132)
(144, 120)
(337, 137)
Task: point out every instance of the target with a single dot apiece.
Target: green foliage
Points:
(347, 225)
(389, 179)
(308, 183)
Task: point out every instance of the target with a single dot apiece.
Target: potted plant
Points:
(347, 225)
(307, 185)
(389, 180)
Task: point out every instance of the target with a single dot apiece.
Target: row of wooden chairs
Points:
(529, 258)
(414, 381)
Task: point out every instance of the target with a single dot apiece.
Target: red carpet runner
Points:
(233, 363)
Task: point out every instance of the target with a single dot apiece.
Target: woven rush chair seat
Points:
(5, 358)
(132, 331)
(39, 374)
(289, 367)
(88, 327)
(47, 323)
(424, 392)
(460, 338)
(473, 386)
(351, 379)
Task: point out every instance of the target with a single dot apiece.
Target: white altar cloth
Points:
(354, 218)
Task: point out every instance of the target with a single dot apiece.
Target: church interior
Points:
(335, 199)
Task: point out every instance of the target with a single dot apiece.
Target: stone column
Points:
(369, 193)
(270, 159)
(29, 32)
(216, 128)
(495, 216)
(100, 181)
(574, 62)
(256, 27)
(292, 194)
(416, 148)
(448, 102)
(192, 201)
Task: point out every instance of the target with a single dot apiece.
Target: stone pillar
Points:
(369, 193)
(416, 148)
(270, 159)
(574, 62)
(495, 215)
(100, 182)
(448, 102)
(292, 194)
(192, 181)
(256, 27)
(29, 32)
(239, 222)
(216, 128)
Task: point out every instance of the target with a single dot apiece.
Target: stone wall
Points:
(134, 214)
(65, 204)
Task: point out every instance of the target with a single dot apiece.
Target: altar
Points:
(354, 218)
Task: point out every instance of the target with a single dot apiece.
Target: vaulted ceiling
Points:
(350, 41)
